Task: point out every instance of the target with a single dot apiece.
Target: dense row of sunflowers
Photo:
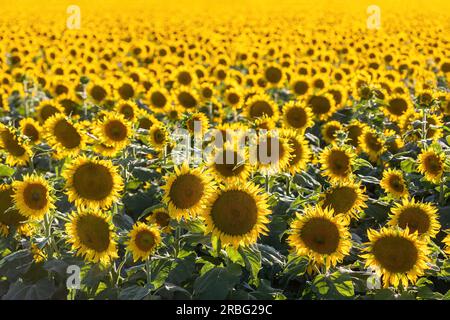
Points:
(356, 204)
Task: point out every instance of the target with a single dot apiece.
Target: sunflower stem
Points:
(267, 183)
(148, 270)
(441, 192)
(288, 185)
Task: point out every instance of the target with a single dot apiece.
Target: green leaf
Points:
(216, 283)
(134, 292)
(252, 259)
(6, 171)
(408, 165)
(16, 264)
(296, 266)
(41, 290)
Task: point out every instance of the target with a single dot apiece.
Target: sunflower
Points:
(91, 234)
(446, 241)
(10, 217)
(18, 153)
(125, 89)
(416, 216)
(348, 199)
(158, 99)
(33, 196)
(394, 184)
(273, 74)
(372, 144)
(264, 123)
(259, 105)
(300, 151)
(145, 120)
(92, 183)
(184, 77)
(355, 129)
(329, 131)
(187, 191)
(237, 214)
(47, 109)
(114, 130)
(339, 94)
(396, 106)
(186, 98)
(322, 105)
(143, 240)
(158, 136)
(161, 218)
(64, 136)
(229, 164)
(300, 85)
(98, 91)
(336, 163)
(197, 123)
(297, 116)
(4, 104)
(394, 141)
(128, 109)
(270, 153)
(31, 129)
(431, 164)
(233, 97)
(320, 235)
(397, 255)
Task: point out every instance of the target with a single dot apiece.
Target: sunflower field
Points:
(113, 187)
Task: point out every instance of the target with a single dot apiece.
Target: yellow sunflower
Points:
(114, 130)
(322, 105)
(143, 240)
(297, 116)
(431, 165)
(158, 136)
(372, 143)
(229, 164)
(31, 129)
(18, 153)
(396, 106)
(187, 191)
(394, 184)
(329, 130)
(300, 151)
(336, 163)
(64, 136)
(10, 217)
(348, 199)
(270, 153)
(416, 216)
(237, 214)
(128, 109)
(33, 196)
(47, 109)
(321, 236)
(91, 234)
(259, 105)
(92, 183)
(397, 255)
(161, 218)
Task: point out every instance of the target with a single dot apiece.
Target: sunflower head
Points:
(397, 255)
(432, 164)
(297, 116)
(300, 151)
(114, 130)
(237, 214)
(10, 217)
(47, 109)
(187, 191)
(18, 152)
(33, 196)
(394, 184)
(64, 136)
(320, 235)
(417, 217)
(161, 218)
(346, 198)
(228, 164)
(31, 129)
(336, 163)
(128, 109)
(143, 240)
(372, 143)
(91, 234)
(92, 183)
